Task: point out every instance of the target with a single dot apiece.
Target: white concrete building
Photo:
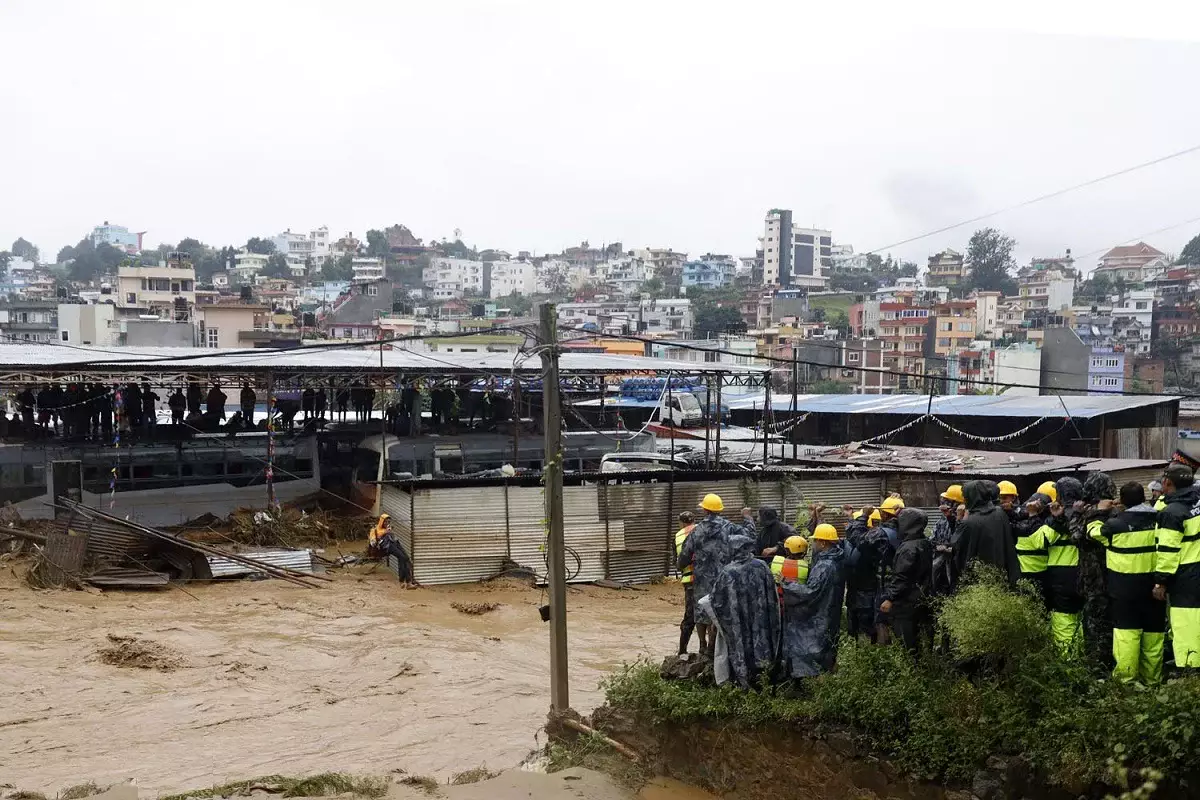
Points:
(297, 248)
(367, 269)
(247, 265)
(745, 347)
(1017, 364)
(1133, 320)
(667, 314)
(844, 259)
(454, 277)
(987, 315)
(795, 256)
(512, 277)
(145, 290)
(88, 324)
(320, 244)
(626, 275)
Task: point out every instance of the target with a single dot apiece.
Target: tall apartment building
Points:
(903, 327)
(795, 256)
(946, 269)
(118, 236)
(952, 328)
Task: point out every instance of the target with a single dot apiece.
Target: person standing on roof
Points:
(688, 520)
(246, 401)
(910, 582)
(1127, 533)
(706, 550)
(985, 534)
(812, 610)
(1177, 563)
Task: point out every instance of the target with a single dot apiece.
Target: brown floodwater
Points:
(360, 676)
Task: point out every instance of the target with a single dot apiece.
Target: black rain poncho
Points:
(812, 616)
(986, 534)
(771, 531)
(745, 604)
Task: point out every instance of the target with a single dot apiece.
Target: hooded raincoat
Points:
(707, 550)
(985, 535)
(812, 616)
(745, 606)
(771, 533)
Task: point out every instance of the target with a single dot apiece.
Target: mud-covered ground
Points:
(228, 681)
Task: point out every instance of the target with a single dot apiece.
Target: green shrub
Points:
(986, 620)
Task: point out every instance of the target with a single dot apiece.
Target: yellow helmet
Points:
(1007, 488)
(1048, 489)
(892, 505)
(825, 533)
(798, 545)
(712, 502)
(874, 519)
(856, 514)
(954, 493)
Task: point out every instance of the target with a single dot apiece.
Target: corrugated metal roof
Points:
(290, 559)
(955, 405)
(358, 359)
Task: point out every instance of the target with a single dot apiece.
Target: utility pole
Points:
(795, 390)
(552, 473)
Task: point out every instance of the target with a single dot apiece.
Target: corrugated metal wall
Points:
(622, 531)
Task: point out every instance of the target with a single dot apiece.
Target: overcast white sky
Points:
(534, 125)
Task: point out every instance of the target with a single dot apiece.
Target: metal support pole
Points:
(717, 447)
(671, 421)
(271, 440)
(766, 416)
(555, 547)
(708, 395)
(795, 392)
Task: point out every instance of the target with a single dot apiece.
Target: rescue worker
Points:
(860, 574)
(1010, 500)
(1062, 580)
(771, 533)
(885, 541)
(1031, 549)
(745, 607)
(706, 550)
(790, 566)
(688, 520)
(812, 610)
(910, 581)
(1156, 495)
(1177, 563)
(985, 534)
(943, 539)
(1139, 620)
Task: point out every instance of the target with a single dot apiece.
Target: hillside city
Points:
(970, 320)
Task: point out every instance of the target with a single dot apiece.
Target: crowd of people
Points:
(1117, 570)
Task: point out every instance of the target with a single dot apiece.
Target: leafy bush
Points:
(984, 619)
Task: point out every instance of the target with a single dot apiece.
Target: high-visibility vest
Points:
(791, 570)
(1160, 503)
(680, 536)
(1033, 551)
(1128, 552)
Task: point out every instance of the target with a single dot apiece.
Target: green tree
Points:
(831, 387)
(1191, 252)
(277, 266)
(263, 247)
(377, 244)
(65, 254)
(989, 255)
(1096, 288)
(519, 305)
(817, 314)
(840, 321)
(653, 287)
(712, 320)
(23, 249)
(338, 269)
(455, 249)
(908, 269)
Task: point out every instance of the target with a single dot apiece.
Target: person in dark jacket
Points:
(813, 611)
(193, 397)
(247, 399)
(216, 402)
(1177, 563)
(771, 533)
(1139, 620)
(861, 568)
(910, 581)
(178, 405)
(985, 535)
(943, 539)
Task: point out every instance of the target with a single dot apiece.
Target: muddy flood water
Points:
(254, 678)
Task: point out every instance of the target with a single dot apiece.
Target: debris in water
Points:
(133, 653)
(423, 782)
(475, 609)
(477, 775)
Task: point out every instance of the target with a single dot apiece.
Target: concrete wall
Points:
(150, 333)
(1065, 361)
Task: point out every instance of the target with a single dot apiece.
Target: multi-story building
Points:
(403, 246)
(626, 275)
(1072, 365)
(988, 324)
(247, 265)
(88, 324)
(366, 270)
(709, 272)
(1178, 324)
(298, 249)
(118, 236)
(844, 259)
(320, 244)
(670, 314)
(1135, 263)
(795, 255)
(946, 269)
(1019, 364)
(347, 245)
(707, 350)
(903, 327)
(1046, 287)
(952, 328)
(232, 325)
(29, 321)
(450, 278)
(664, 263)
(512, 277)
(909, 289)
(1133, 321)
(167, 291)
(355, 313)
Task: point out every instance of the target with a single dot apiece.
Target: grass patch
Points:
(326, 783)
(477, 775)
(423, 782)
(1002, 690)
(832, 303)
(589, 751)
(79, 791)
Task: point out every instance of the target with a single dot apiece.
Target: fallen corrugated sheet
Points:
(300, 560)
(123, 578)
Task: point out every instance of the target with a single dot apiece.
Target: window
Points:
(213, 337)
(1141, 305)
(1112, 362)
(852, 358)
(945, 326)
(144, 284)
(966, 326)
(372, 290)
(65, 336)
(910, 331)
(131, 298)
(943, 342)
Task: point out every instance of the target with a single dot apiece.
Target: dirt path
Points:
(253, 678)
